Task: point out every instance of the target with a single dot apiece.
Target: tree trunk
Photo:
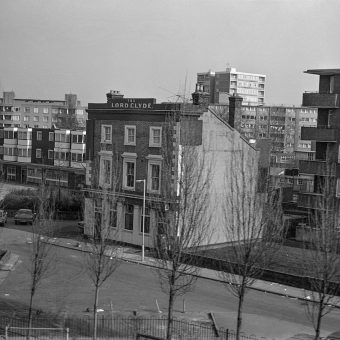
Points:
(318, 321)
(95, 321)
(170, 314)
(239, 310)
(30, 313)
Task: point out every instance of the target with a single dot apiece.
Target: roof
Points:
(325, 72)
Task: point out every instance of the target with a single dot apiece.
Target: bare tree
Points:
(184, 219)
(41, 260)
(321, 253)
(102, 257)
(252, 224)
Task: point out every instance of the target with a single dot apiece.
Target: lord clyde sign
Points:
(133, 103)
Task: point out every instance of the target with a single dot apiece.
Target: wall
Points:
(223, 148)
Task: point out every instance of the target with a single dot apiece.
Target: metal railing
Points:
(116, 327)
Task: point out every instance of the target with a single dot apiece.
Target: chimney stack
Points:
(113, 94)
(235, 111)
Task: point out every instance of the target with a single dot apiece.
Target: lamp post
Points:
(143, 222)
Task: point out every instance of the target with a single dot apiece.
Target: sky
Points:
(154, 48)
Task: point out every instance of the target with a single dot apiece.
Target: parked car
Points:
(24, 216)
(3, 217)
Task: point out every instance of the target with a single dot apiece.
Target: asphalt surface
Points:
(67, 289)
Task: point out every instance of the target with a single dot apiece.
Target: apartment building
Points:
(41, 113)
(326, 136)
(132, 135)
(281, 124)
(221, 85)
(36, 155)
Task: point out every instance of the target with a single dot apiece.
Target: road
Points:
(136, 287)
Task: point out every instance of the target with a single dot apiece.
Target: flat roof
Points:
(324, 72)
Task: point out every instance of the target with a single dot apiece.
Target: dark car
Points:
(24, 216)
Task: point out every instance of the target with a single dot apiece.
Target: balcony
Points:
(320, 168)
(319, 134)
(322, 100)
(309, 200)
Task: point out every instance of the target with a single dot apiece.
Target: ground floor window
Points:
(11, 174)
(146, 221)
(129, 217)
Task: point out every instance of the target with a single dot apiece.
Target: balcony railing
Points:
(320, 168)
(309, 200)
(319, 134)
(322, 100)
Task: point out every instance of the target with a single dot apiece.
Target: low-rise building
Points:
(36, 155)
(42, 113)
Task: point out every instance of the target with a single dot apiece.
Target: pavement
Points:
(134, 255)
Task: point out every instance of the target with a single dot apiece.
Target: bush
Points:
(21, 199)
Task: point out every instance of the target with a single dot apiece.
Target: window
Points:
(9, 135)
(105, 172)
(55, 111)
(35, 110)
(154, 172)
(129, 217)
(106, 136)
(155, 139)
(24, 135)
(11, 174)
(61, 137)
(38, 153)
(24, 152)
(51, 136)
(45, 119)
(36, 118)
(27, 109)
(45, 110)
(26, 118)
(50, 154)
(113, 215)
(130, 135)
(39, 135)
(78, 139)
(129, 170)
(146, 221)
(130, 174)
(15, 117)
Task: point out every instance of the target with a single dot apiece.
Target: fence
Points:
(114, 328)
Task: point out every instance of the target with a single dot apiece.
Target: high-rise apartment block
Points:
(220, 85)
(41, 113)
(326, 136)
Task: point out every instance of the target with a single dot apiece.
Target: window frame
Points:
(102, 173)
(104, 134)
(151, 136)
(126, 135)
(49, 154)
(36, 153)
(147, 220)
(129, 158)
(130, 215)
(39, 135)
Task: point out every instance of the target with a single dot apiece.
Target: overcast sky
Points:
(154, 48)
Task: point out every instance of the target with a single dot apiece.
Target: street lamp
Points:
(143, 222)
